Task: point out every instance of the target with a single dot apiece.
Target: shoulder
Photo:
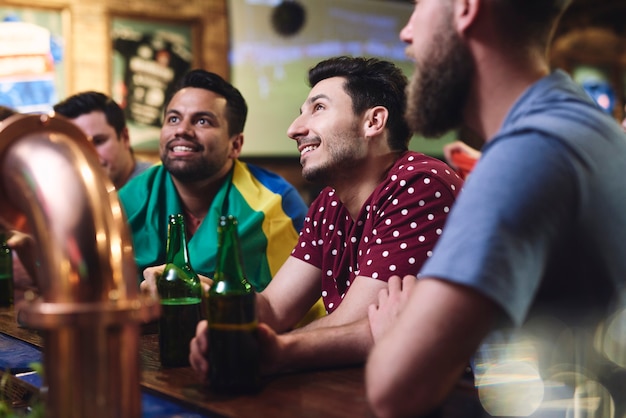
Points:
(414, 169)
(556, 106)
(270, 180)
(139, 188)
(141, 166)
(325, 202)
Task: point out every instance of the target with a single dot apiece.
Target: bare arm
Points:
(290, 294)
(287, 298)
(338, 339)
(318, 348)
(341, 338)
(416, 362)
(363, 292)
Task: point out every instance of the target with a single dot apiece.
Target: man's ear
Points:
(237, 144)
(375, 121)
(465, 13)
(125, 137)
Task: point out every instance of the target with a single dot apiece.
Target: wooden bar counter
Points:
(327, 393)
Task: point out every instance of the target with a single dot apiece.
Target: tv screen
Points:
(270, 68)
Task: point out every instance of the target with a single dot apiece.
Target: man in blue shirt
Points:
(536, 233)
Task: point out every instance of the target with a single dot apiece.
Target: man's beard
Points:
(440, 85)
(331, 171)
(343, 158)
(189, 171)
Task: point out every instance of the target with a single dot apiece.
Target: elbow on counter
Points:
(391, 395)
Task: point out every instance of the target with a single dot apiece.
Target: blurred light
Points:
(511, 389)
(612, 340)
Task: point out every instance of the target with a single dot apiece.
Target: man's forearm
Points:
(322, 347)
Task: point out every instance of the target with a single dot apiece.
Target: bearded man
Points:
(531, 261)
(202, 178)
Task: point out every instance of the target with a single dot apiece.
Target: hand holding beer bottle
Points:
(181, 296)
(232, 322)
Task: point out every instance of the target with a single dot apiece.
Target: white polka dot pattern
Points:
(394, 233)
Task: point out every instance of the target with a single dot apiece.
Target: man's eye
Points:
(205, 122)
(318, 106)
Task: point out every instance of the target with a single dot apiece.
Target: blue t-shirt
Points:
(541, 222)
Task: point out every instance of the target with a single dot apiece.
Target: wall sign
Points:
(32, 58)
(149, 56)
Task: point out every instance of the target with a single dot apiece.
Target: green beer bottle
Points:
(233, 345)
(181, 295)
(6, 273)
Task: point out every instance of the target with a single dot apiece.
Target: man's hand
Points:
(391, 302)
(199, 348)
(269, 344)
(151, 274)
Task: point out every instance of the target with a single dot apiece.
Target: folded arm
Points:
(418, 360)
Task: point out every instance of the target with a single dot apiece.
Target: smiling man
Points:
(381, 213)
(202, 178)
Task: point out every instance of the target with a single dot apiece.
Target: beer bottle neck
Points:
(176, 248)
(229, 267)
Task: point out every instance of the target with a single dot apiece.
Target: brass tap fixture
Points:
(89, 307)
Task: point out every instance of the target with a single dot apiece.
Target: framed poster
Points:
(32, 58)
(149, 56)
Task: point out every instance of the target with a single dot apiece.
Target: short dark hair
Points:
(236, 107)
(371, 82)
(5, 112)
(90, 101)
(529, 22)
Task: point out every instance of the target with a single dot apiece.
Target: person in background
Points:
(461, 157)
(103, 121)
(381, 212)
(5, 112)
(536, 233)
(202, 178)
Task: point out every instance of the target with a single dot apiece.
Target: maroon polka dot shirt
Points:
(394, 233)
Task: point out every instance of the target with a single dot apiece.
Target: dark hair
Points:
(236, 107)
(529, 22)
(90, 101)
(371, 82)
(5, 112)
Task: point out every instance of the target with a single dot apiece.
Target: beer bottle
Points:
(6, 273)
(181, 295)
(233, 345)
